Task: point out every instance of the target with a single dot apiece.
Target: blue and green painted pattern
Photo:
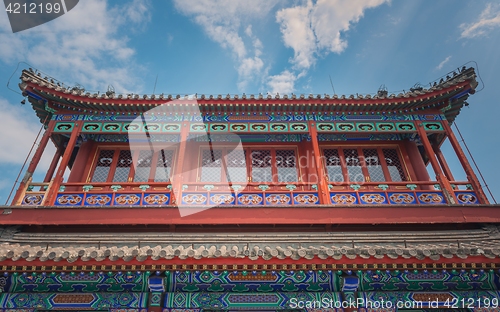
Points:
(252, 300)
(247, 127)
(423, 300)
(73, 301)
(253, 281)
(252, 137)
(236, 290)
(250, 117)
(67, 283)
(427, 281)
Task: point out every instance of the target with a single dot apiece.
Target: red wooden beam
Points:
(471, 176)
(177, 176)
(35, 160)
(58, 179)
(440, 176)
(355, 214)
(323, 191)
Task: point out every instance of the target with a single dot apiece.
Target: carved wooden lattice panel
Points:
(164, 165)
(354, 169)
(236, 166)
(394, 165)
(103, 166)
(211, 166)
(143, 166)
(333, 165)
(286, 164)
(261, 166)
(373, 165)
(123, 166)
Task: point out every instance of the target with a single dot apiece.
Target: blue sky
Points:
(258, 46)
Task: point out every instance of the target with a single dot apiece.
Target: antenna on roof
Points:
(416, 87)
(382, 91)
(156, 80)
(111, 90)
(332, 85)
(78, 87)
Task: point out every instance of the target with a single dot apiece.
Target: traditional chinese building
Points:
(265, 203)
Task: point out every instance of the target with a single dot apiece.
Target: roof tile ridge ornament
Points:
(7, 233)
(492, 229)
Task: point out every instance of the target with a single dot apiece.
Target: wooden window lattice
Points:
(261, 166)
(333, 165)
(123, 166)
(211, 166)
(372, 163)
(103, 166)
(164, 165)
(143, 166)
(354, 169)
(286, 164)
(236, 166)
(394, 165)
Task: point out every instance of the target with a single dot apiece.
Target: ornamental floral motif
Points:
(278, 199)
(373, 198)
(430, 198)
(306, 199)
(222, 199)
(127, 199)
(402, 198)
(99, 200)
(69, 200)
(32, 200)
(195, 199)
(156, 199)
(343, 199)
(466, 198)
(250, 199)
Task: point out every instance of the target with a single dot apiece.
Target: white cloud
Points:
(488, 19)
(20, 125)
(138, 11)
(84, 45)
(283, 83)
(298, 34)
(226, 22)
(440, 66)
(249, 67)
(316, 27)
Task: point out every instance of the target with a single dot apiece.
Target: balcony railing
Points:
(251, 194)
(401, 193)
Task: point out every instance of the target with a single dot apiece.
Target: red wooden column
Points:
(323, 190)
(35, 160)
(471, 176)
(443, 181)
(416, 161)
(58, 178)
(178, 169)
